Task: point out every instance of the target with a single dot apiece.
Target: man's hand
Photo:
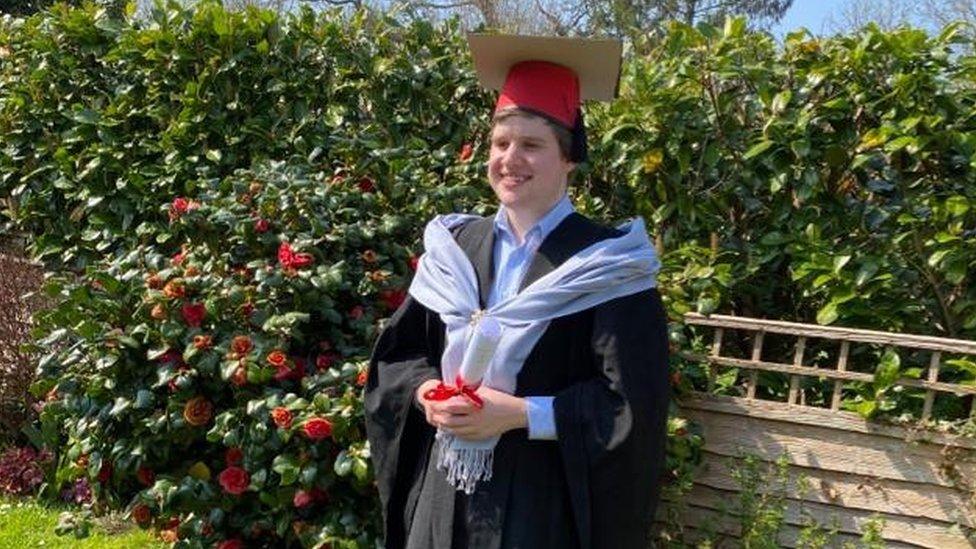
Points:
(460, 417)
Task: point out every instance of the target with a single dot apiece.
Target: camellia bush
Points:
(203, 358)
(220, 383)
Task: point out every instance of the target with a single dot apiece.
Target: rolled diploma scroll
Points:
(486, 335)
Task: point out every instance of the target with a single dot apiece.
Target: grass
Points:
(27, 523)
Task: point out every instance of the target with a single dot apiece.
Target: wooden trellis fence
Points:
(919, 483)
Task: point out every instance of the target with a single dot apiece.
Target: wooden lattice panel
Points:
(919, 483)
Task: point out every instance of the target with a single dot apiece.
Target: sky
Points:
(812, 14)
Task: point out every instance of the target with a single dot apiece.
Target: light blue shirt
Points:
(511, 261)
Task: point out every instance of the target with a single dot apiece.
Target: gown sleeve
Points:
(612, 428)
(399, 437)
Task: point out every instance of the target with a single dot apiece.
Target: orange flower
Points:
(282, 417)
(198, 411)
(169, 535)
(174, 289)
(240, 346)
(277, 358)
(239, 377)
(362, 377)
(202, 341)
(191, 271)
(158, 312)
(369, 256)
(154, 282)
(467, 150)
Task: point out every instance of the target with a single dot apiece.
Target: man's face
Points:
(525, 166)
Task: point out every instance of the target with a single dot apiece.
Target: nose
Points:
(513, 155)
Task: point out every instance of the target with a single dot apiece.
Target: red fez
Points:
(543, 87)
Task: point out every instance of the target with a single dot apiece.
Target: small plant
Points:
(22, 470)
(871, 537)
(762, 500)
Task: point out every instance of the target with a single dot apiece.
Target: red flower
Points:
(247, 309)
(193, 314)
(234, 480)
(301, 499)
(286, 371)
(105, 473)
(317, 428)
(261, 226)
(179, 207)
(240, 346)
(361, 378)
(324, 361)
(356, 312)
(285, 253)
(366, 185)
(393, 298)
(466, 151)
(233, 456)
(291, 260)
(302, 260)
(178, 258)
(413, 262)
(141, 514)
(369, 256)
(171, 356)
(145, 476)
(282, 417)
(231, 544)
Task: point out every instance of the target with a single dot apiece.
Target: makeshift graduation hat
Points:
(548, 76)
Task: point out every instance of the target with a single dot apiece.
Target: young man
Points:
(561, 442)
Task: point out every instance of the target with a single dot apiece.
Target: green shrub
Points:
(824, 180)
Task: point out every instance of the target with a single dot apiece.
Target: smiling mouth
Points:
(516, 179)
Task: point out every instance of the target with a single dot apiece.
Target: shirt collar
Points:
(544, 226)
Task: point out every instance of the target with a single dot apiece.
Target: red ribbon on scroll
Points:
(444, 392)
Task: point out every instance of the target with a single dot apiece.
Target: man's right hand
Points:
(438, 411)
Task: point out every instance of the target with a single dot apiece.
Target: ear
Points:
(569, 166)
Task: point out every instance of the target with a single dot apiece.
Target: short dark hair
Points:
(563, 136)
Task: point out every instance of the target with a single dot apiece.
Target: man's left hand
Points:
(501, 412)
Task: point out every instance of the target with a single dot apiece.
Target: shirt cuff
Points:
(541, 418)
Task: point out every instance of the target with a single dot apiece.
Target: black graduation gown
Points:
(597, 486)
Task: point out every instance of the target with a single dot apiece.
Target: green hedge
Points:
(829, 181)
(161, 165)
